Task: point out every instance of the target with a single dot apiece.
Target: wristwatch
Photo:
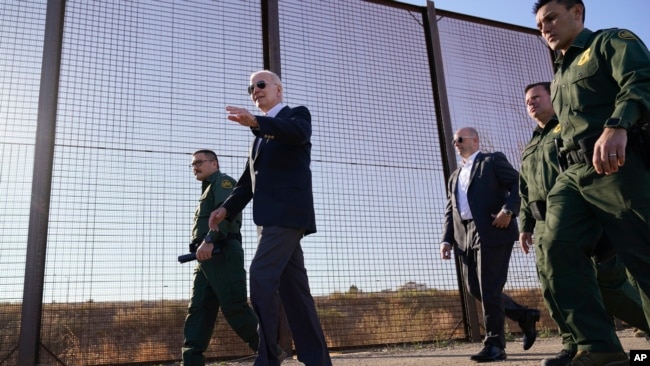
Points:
(613, 122)
(208, 238)
(506, 211)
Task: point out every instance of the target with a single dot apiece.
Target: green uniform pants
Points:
(218, 283)
(645, 300)
(580, 204)
(620, 298)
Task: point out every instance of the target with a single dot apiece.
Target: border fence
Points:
(103, 103)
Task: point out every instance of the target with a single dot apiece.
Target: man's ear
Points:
(578, 12)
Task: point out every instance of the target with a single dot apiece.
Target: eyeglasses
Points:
(196, 164)
(260, 85)
(459, 139)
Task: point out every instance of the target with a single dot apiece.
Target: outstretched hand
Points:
(241, 116)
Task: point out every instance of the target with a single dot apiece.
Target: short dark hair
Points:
(567, 4)
(545, 84)
(209, 153)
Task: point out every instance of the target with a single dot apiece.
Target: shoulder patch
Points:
(586, 55)
(226, 183)
(557, 128)
(626, 35)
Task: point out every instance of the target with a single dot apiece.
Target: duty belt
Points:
(195, 244)
(577, 157)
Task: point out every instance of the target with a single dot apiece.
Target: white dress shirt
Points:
(271, 113)
(463, 185)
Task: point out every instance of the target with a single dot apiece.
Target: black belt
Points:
(237, 236)
(465, 222)
(577, 157)
(584, 151)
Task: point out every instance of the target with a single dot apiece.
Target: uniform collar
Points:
(582, 38)
(211, 179)
(552, 123)
(580, 42)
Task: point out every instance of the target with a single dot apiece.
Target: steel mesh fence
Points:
(144, 84)
(363, 69)
(22, 25)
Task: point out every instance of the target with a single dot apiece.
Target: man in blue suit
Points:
(483, 200)
(277, 177)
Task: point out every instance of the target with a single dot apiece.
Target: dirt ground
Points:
(456, 354)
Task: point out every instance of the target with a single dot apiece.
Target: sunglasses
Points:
(459, 139)
(260, 85)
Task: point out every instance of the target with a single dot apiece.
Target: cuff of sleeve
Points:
(624, 116)
(215, 236)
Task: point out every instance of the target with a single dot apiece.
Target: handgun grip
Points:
(192, 256)
(186, 257)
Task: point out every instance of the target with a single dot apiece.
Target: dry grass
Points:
(93, 333)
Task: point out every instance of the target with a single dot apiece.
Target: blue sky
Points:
(630, 14)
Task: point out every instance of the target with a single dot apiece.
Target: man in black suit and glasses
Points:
(277, 177)
(480, 223)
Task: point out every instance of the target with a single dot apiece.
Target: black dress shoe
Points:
(561, 359)
(528, 327)
(489, 353)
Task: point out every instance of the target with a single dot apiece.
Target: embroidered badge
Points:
(557, 128)
(226, 183)
(586, 55)
(626, 35)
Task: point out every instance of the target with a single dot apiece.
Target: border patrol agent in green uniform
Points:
(539, 169)
(601, 89)
(219, 279)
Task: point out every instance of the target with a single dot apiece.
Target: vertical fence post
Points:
(30, 322)
(272, 61)
(271, 35)
(445, 132)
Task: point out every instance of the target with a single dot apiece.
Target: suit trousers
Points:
(485, 271)
(277, 273)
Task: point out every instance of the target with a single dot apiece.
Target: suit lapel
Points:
(477, 161)
(453, 187)
(257, 149)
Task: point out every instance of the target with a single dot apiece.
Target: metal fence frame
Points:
(32, 306)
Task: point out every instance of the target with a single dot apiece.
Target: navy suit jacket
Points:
(493, 186)
(277, 176)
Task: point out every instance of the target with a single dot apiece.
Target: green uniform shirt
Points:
(216, 188)
(603, 75)
(538, 171)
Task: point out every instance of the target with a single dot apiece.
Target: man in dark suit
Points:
(479, 221)
(277, 177)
